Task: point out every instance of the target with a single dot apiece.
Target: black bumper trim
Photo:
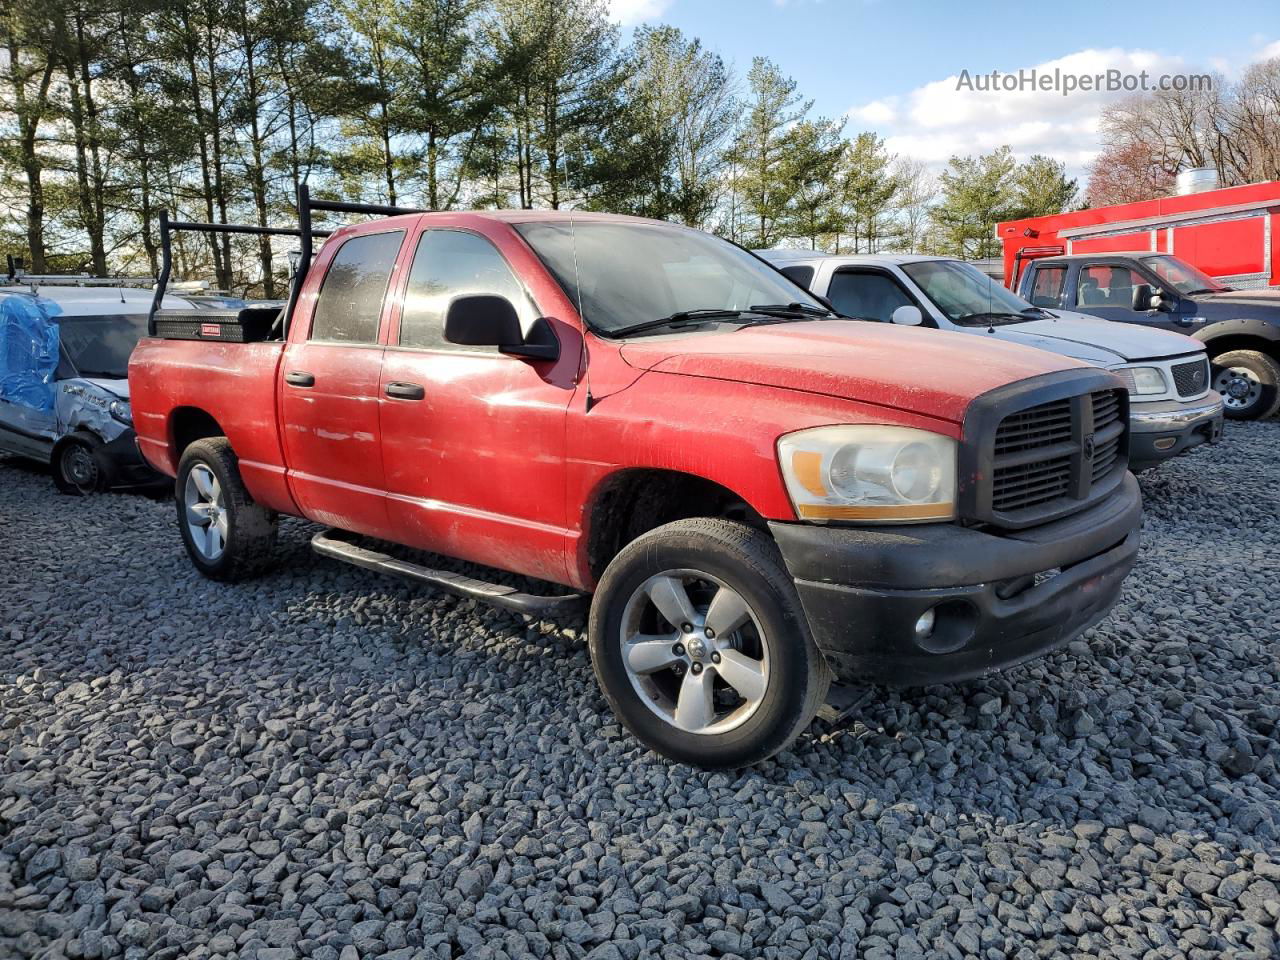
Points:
(863, 590)
(123, 465)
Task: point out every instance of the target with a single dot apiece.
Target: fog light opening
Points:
(924, 626)
(1164, 443)
(946, 627)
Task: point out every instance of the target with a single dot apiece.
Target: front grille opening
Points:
(1031, 484)
(1026, 484)
(1039, 426)
(1192, 378)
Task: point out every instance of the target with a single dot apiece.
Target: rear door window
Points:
(1046, 286)
(868, 295)
(350, 303)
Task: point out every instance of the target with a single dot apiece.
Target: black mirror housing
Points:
(490, 321)
(482, 321)
(1141, 296)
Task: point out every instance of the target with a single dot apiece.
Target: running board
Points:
(328, 543)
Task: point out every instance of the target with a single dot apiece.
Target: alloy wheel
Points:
(206, 512)
(694, 651)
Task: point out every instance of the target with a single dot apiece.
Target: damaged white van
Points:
(64, 388)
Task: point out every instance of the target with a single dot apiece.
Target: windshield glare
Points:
(1182, 276)
(636, 272)
(100, 346)
(963, 292)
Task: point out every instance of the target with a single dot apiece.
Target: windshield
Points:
(100, 346)
(966, 295)
(1183, 277)
(633, 273)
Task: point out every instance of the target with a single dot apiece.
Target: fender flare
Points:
(1239, 327)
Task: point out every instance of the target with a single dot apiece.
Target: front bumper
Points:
(1166, 428)
(863, 590)
(122, 464)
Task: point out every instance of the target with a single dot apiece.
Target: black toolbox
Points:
(243, 325)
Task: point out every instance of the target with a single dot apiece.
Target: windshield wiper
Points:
(790, 309)
(969, 318)
(681, 318)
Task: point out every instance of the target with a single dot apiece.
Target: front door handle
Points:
(300, 378)
(406, 391)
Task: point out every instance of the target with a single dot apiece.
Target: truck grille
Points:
(1053, 458)
(1192, 378)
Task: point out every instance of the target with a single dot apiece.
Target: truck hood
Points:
(930, 372)
(1268, 297)
(1093, 340)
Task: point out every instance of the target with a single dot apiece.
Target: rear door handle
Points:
(406, 391)
(300, 378)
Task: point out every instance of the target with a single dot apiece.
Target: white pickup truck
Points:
(1171, 405)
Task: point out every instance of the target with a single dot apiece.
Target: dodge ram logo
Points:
(1088, 447)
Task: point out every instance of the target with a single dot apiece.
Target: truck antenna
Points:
(577, 283)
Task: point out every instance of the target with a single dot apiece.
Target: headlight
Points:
(874, 474)
(1146, 380)
(120, 410)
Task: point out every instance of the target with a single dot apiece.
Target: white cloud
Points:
(937, 120)
(877, 113)
(631, 12)
(1270, 50)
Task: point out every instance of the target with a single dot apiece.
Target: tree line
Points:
(218, 109)
(1231, 127)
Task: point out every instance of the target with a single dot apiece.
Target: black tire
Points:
(77, 468)
(1254, 372)
(250, 530)
(746, 561)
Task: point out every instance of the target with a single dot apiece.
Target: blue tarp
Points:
(28, 350)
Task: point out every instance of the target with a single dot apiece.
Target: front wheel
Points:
(77, 471)
(700, 646)
(1249, 382)
(227, 535)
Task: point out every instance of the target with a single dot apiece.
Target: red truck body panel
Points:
(501, 462)
(1232, 234)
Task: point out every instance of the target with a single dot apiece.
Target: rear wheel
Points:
(76, 469)
(227, 535)
(1249, 382)
(700, 646)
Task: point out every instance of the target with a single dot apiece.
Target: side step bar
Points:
(329, 543)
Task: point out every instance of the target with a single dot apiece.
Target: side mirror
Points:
(908, 315)
(1142, 297)
(490, 321)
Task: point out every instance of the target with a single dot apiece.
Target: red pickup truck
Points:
(758, 493)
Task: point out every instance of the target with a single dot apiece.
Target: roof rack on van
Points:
(17, 274)
(304, 230)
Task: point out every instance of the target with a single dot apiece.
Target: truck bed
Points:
(172, 380)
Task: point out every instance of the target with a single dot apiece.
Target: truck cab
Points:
(1239, 328)
(759, 502)
(1172, 406)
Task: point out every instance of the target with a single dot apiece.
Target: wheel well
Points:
(636, 501)
(189, 424)
(1219, 345)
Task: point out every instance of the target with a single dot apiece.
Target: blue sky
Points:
(891, 65)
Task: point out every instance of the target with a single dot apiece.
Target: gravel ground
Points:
(325, 763)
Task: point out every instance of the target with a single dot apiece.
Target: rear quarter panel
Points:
(234, 383)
